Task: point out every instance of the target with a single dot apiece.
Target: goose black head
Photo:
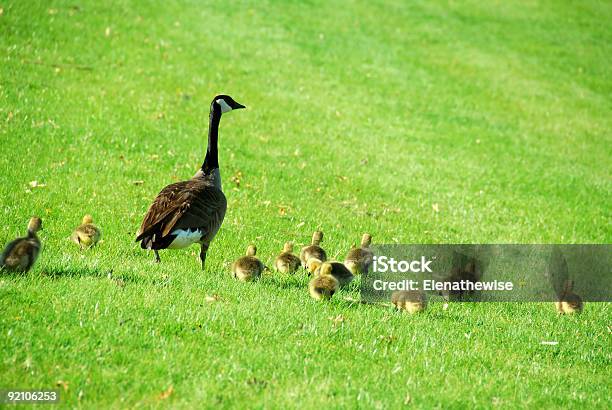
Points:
(226, 103)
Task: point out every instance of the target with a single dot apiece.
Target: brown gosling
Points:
(286, 261)
(20, 254)
(569, 302)
(359, 260)
(313, 265)
(412, 301)
(87, 234)
(324, 285)
(248, 267)
(338, 271)
(464, 268)
(313, 250)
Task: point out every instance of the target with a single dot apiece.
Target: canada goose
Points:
(568, 301)
(20, 254)
(248, 267)
(324, 285)
(412, 301)
(87, 234)
(191, 211)
(313, 250)
(312, 265)
(337, 270)
(359, 260)
(287, 262)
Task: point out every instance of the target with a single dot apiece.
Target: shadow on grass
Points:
(286, 281)
(6, 273)
(121, 279)
(300, 280)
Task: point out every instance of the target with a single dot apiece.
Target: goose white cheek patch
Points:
(224, 106)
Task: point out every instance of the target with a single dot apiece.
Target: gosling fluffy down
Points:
(569, 302)
(248, 267)
(337, 270)
(286, 261)
(359, 260)
(87, 234)
(21, 254)
(323, 287)
(412, 301)
(313, 250)
(313, 265)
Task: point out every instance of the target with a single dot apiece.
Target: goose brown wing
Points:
(184, 205)
(206, 211)
(167, 202)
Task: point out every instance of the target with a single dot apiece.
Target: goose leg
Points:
(203, 250)
(157, 259)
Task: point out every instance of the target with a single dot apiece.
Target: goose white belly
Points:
(185, 238)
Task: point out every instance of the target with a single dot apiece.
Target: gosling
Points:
(337, 270)
(286, 261)
(569, 302)
(464, 269)
(21, 254)
(248, 268)
(324, 285)
(87, 234)
(412, 301)
(313, 265)
(313, 250)
(359, 260)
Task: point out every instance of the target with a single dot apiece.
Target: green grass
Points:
(361, 117)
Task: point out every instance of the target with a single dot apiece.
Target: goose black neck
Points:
(211, 161)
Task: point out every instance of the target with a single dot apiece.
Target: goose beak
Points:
(239, 106)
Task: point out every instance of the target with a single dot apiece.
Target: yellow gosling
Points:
(323, 287)
(313, 250)
(313, 265)
(286, 261)
(569, 302)
(87, 234)
(338, 271)
(248, 267)
(412, 301)
(359, 260)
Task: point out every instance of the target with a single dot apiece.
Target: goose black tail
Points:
(151, 242)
